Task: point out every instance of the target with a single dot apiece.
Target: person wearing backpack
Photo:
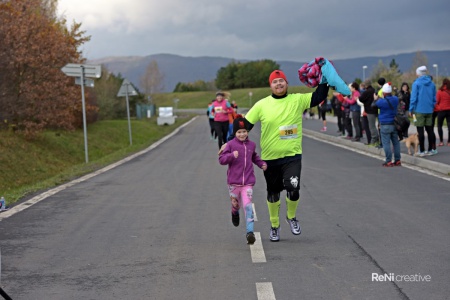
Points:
(388, 110)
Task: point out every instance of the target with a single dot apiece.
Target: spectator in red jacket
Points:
(443, 109)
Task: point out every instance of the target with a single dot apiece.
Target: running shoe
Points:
(388, 164)
(295, 226)
(432, 152)
(421, 154)
(235, 219)
(398, 163)
(274, 234)
(250, 238)
(324, 129)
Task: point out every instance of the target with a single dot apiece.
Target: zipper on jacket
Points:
(245, 164)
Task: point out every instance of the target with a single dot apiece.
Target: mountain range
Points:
(177, 68)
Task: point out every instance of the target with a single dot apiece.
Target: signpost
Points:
(125, 90)
(80, 71)
(87, 82)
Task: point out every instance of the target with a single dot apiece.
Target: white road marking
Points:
(255, 217)
(264, 291)
(257, 251)
(38, 198)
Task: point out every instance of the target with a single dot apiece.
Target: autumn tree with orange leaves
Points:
(34, 45)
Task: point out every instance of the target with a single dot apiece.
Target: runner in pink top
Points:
(220, 109)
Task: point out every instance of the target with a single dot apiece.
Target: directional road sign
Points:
(75, 70)
(81, 72)
(87, 81)
(126, 90)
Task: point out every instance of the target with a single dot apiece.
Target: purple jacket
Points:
(240, 169)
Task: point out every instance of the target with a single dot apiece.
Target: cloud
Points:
(283, 30)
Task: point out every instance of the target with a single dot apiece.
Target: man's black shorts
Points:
(284, 177)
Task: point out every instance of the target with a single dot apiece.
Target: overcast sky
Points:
(295, 30)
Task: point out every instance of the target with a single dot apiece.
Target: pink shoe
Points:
(323, 129)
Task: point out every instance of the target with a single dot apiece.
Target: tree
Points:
(152, 80)
(393, 65)
(199, 85)
(106, 89)
(391, 74)
(378, 71)
(225, 78)
(34, 93)
(419, 59)
(245, 75)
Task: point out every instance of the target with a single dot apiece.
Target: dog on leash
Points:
(411, 141)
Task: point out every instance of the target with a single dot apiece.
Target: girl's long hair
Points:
(445, 84)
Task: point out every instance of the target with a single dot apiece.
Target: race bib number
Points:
(218, 109)
(288, 132)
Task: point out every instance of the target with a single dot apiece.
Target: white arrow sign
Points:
(87, 81)
(75, 70)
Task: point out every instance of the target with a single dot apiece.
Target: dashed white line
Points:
(264, 291)
(257, 251)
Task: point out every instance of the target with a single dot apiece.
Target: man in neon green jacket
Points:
(280, 115)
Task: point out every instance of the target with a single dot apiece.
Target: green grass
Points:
(55, 157)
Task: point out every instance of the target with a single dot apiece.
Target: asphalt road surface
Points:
(159, 227)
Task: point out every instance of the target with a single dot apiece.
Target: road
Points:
(159, 227)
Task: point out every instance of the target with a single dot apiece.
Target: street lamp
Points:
(436, 66)
(175, 101)
(364, 73)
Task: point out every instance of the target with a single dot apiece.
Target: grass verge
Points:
(56, 157)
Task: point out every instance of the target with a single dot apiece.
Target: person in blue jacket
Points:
(388, 109)
(422, 102)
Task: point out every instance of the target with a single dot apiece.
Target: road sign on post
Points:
(80, 71)
(87, 81)
(126, 90)
(75, 70)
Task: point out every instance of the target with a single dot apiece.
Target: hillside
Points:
(189, 69)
